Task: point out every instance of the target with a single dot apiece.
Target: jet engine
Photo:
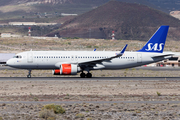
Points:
(67, 69)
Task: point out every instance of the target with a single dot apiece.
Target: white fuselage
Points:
(53, 59)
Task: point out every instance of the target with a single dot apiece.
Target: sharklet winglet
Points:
(123, 50)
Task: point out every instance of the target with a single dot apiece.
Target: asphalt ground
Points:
(89, 79)
(137, 68)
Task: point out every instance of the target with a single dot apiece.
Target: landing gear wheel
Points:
(83, 75)
(89, 75)
(29, 75)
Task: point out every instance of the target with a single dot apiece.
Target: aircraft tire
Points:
(28, 76)
(89, 75)
(82, 75)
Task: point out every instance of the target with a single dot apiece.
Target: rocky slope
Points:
(164, 5)
(31, 2)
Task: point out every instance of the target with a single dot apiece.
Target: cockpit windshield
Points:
(17, 56)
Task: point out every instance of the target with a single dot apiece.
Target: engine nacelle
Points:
(67, 69)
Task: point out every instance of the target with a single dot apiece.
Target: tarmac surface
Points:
(94, 102)
(138, 68)
(91, 79)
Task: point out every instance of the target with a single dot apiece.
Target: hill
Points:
(30, 8)
(163, 5)
(128, 20)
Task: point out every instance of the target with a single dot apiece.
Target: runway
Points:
(94, 102)
(137, 68)
(60, 78)
(90, 79)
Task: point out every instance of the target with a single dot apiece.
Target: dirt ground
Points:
(113, 91)
(88, 90)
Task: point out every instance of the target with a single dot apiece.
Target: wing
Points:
(97, 63)
(105, 59)
(94, 62)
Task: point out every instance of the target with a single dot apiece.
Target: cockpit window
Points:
(17, 56)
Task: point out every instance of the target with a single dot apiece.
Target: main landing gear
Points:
(29, 75)
(88, 75)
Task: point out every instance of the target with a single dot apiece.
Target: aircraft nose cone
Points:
(9, 62)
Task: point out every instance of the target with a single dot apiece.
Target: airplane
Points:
(73, 62)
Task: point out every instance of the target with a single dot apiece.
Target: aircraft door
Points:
(30, 57)
(139, 57)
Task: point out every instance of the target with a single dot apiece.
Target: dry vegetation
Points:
(84, 91)
(15, 45)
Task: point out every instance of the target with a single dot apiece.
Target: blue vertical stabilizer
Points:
(157, 41)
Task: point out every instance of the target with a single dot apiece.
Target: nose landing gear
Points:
(29, 75)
